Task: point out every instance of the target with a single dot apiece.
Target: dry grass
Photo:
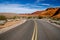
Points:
(8, 24)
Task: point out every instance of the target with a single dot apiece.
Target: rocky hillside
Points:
(57, 14)
(49, 12)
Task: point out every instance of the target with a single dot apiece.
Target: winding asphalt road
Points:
(32, 30)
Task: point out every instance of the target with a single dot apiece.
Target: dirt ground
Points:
(8, 24)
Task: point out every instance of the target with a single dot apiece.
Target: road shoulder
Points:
(51, 23)
(13, 26)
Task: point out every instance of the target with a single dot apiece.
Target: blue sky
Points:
(27, 6)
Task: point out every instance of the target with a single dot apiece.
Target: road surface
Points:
(32, 30)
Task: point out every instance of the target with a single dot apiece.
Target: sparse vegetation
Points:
(3, 20)
(55, 19)
(57, 23)
(29, 17)
(2, 17)
(39, 17)
(14, 17)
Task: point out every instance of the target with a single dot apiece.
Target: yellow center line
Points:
(34, 36)
(36, 31)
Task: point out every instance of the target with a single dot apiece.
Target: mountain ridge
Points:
(49, 12)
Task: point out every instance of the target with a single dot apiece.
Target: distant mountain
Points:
(37, 12)
(57, 13)
(9, 15)
(49, 12)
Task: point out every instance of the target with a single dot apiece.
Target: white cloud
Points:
(46, 4)
(56, 6)
(16, 8)
(37, 1)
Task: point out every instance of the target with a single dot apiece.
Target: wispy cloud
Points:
(16, 8)
(37, 1)
(45, 4)
(21, 8)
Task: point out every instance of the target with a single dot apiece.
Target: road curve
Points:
(32, 30)
(22, 32)
(47, 31)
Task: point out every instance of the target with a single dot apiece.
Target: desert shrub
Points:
(14, 17)
(3, 20)
(55, 18)
(2, 17)
(39, 17)
(29, 17)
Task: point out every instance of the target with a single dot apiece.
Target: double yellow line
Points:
(34, 36)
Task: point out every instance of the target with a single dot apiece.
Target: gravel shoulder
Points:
(51, 23)
(10, 25)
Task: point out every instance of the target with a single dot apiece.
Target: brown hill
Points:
(49, 12)
(9, 15)
(57, 14)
